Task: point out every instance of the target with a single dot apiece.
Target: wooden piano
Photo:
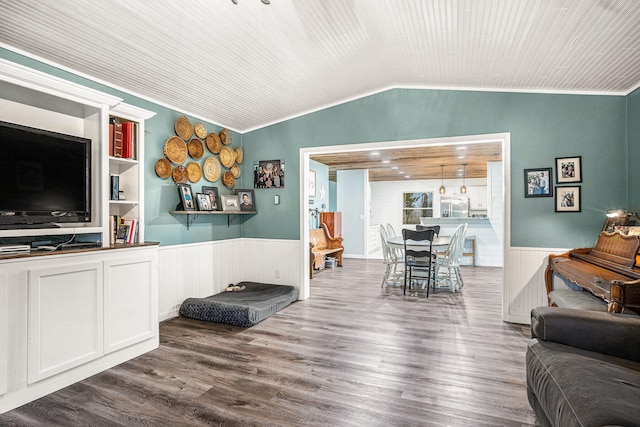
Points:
(608, 270)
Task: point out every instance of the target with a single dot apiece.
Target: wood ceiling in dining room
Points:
(399, 164)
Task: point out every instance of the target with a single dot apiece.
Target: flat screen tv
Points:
(45, 177)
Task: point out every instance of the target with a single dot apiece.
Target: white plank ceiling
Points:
(249, 65)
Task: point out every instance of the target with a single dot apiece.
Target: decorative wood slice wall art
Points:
(194, 173)
(179, 174)
(196, 148)
(163, 168)
(214, 143)
(211, 169)
(175, 149)
(184, 128)
(228, 180)
(200, 130)
(225, 136)
(227, 157)
(239, 155)
(235, 170)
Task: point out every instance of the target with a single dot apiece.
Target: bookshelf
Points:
(127, 165)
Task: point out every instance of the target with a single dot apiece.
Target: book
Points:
(127, 140)
(117, 140)
(111, 131)
(121, 234)
(115, 187)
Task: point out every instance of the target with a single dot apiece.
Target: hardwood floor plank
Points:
(353, 354)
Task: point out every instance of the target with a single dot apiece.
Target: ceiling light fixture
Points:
(463, 189)
(263, 1)
(442, 189)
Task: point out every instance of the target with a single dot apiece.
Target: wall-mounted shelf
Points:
(192, 215)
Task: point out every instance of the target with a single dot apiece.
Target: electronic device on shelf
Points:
(46, 177)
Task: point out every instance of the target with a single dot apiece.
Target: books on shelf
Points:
(123, 139)
(123, 231)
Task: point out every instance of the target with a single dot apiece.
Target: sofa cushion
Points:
(576, 387)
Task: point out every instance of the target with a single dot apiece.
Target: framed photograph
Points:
(230, 203)
(186, 198)
(268, 174)
(537, 182)
(312, 183)
(568, 199)
(247, 200)
(204, 203)
(212, 192)
(568, 169)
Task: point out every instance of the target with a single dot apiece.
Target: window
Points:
(416, 205)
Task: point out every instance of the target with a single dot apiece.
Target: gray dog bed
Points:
(240, 308)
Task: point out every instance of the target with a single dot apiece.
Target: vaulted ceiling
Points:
(248, 65)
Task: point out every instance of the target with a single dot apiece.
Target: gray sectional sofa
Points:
(583, 367)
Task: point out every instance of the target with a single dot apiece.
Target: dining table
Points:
(440, 243)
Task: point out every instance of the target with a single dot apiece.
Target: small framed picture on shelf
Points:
(115, 187)
(568, 199)
(204, 204)
(230, 203)
(537, 182)
(247, 200)
(212, 192)
(186, 198)
(568, 169)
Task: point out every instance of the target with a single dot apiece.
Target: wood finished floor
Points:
(353, 354)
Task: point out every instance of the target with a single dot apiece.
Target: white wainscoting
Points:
(524, 286)
(4, 333)
(203, 269)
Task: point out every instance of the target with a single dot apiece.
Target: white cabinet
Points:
(130, 302)
(66, 325)
(4, 329)
(72, 315)
(477, 197)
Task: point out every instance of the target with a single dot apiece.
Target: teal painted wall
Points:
(161, 195)
(542, 127)
(633, 105)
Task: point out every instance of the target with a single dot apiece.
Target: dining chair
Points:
(435, 228)
(418, 257)
(398, 253)
(390, 260)
(447, 267)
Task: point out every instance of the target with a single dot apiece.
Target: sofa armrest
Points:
(607, 333)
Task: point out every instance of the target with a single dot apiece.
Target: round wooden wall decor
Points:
(184, 128)
(163, 168)
(211, 169)
(196, 148)
(214, 143)
(175, 149)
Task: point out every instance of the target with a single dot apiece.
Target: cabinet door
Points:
(65, 312)
(130, 301)
(4, 333)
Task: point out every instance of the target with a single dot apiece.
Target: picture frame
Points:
(247, 200)
(204, 203)
(537, 182)
(212, 192)
(268, 174)
(568, 169)
(186, 203)
(568, 199)
(230, 203)
(312, 183)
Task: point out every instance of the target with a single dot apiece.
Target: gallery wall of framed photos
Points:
(567, 195)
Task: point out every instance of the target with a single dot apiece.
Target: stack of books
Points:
(123, 231)
(122, 139)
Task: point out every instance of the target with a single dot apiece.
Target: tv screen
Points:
(45, 177)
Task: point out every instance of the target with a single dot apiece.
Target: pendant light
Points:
(463, 189)
(442, 189)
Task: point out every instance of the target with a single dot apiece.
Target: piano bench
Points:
(583, 300)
